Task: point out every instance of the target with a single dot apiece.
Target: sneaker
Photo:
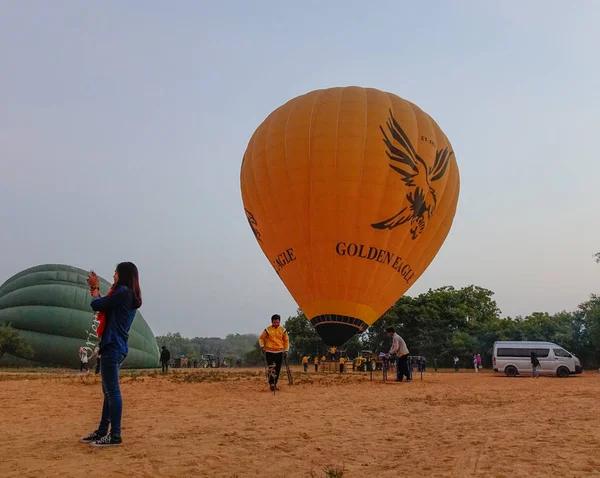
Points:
(108, 440)
(91, 437)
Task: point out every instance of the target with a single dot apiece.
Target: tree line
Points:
(12, 342)
(447, 322)
(231, 347)
(439, 325)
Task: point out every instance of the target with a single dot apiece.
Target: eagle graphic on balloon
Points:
(417, 176)
(302, 194)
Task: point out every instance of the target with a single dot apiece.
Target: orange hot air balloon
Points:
(350, 193)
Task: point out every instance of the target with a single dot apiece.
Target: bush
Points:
(12, 342)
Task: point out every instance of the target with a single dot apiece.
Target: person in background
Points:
(342, 363)
(475, 364)
(316, 363)
(116, 313)
(83, 359)
(479, 361)
(456, 364)
(165, 356)
(305, 363)
(535, 364)
(399, 349)
(274, 343)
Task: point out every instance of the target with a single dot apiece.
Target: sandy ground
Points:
(226, 424)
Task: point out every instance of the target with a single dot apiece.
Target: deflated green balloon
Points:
(50, 306)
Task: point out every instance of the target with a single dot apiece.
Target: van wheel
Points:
(563, 372)
(511, 371)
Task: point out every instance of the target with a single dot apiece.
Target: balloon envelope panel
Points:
(350, 193)
(50, 305)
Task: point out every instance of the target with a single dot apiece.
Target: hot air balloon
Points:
(50, 306)
(350, 193)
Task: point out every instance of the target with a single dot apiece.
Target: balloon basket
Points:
(332, 367)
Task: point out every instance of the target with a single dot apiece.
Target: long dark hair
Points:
(129, 277)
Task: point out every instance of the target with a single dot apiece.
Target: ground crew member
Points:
(342, 362)
(274, 343)
(165, 356)
(316, 363)
(305, 363)
(399, 349)
(535, 364)
(84, 360)
(360, 364)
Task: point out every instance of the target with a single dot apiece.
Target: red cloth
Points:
(102, 317)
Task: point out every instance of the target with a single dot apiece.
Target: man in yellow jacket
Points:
(274, 343)
(342, 362)
(305, 363)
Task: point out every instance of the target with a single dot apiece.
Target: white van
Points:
(514, 358)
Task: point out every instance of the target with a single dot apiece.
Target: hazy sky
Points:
(123, 125)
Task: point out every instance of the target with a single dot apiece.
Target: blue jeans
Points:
(110, 362)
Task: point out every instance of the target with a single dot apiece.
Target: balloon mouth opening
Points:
(336, 330)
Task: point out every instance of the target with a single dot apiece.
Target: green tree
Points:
(304, 339)
(12, 342)
(375, 338)
(589, 314)
(253, 357)
(353, 347)
(440, 324)
(232, 345)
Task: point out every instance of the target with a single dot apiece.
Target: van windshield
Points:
(521, 352)
(561, 353)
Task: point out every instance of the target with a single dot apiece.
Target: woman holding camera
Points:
(116, 313)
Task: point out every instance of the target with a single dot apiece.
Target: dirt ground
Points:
(196, 423)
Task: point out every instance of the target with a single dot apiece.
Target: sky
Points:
(123, 126)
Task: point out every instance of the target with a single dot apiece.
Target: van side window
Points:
(521, 352)
(561, 353)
